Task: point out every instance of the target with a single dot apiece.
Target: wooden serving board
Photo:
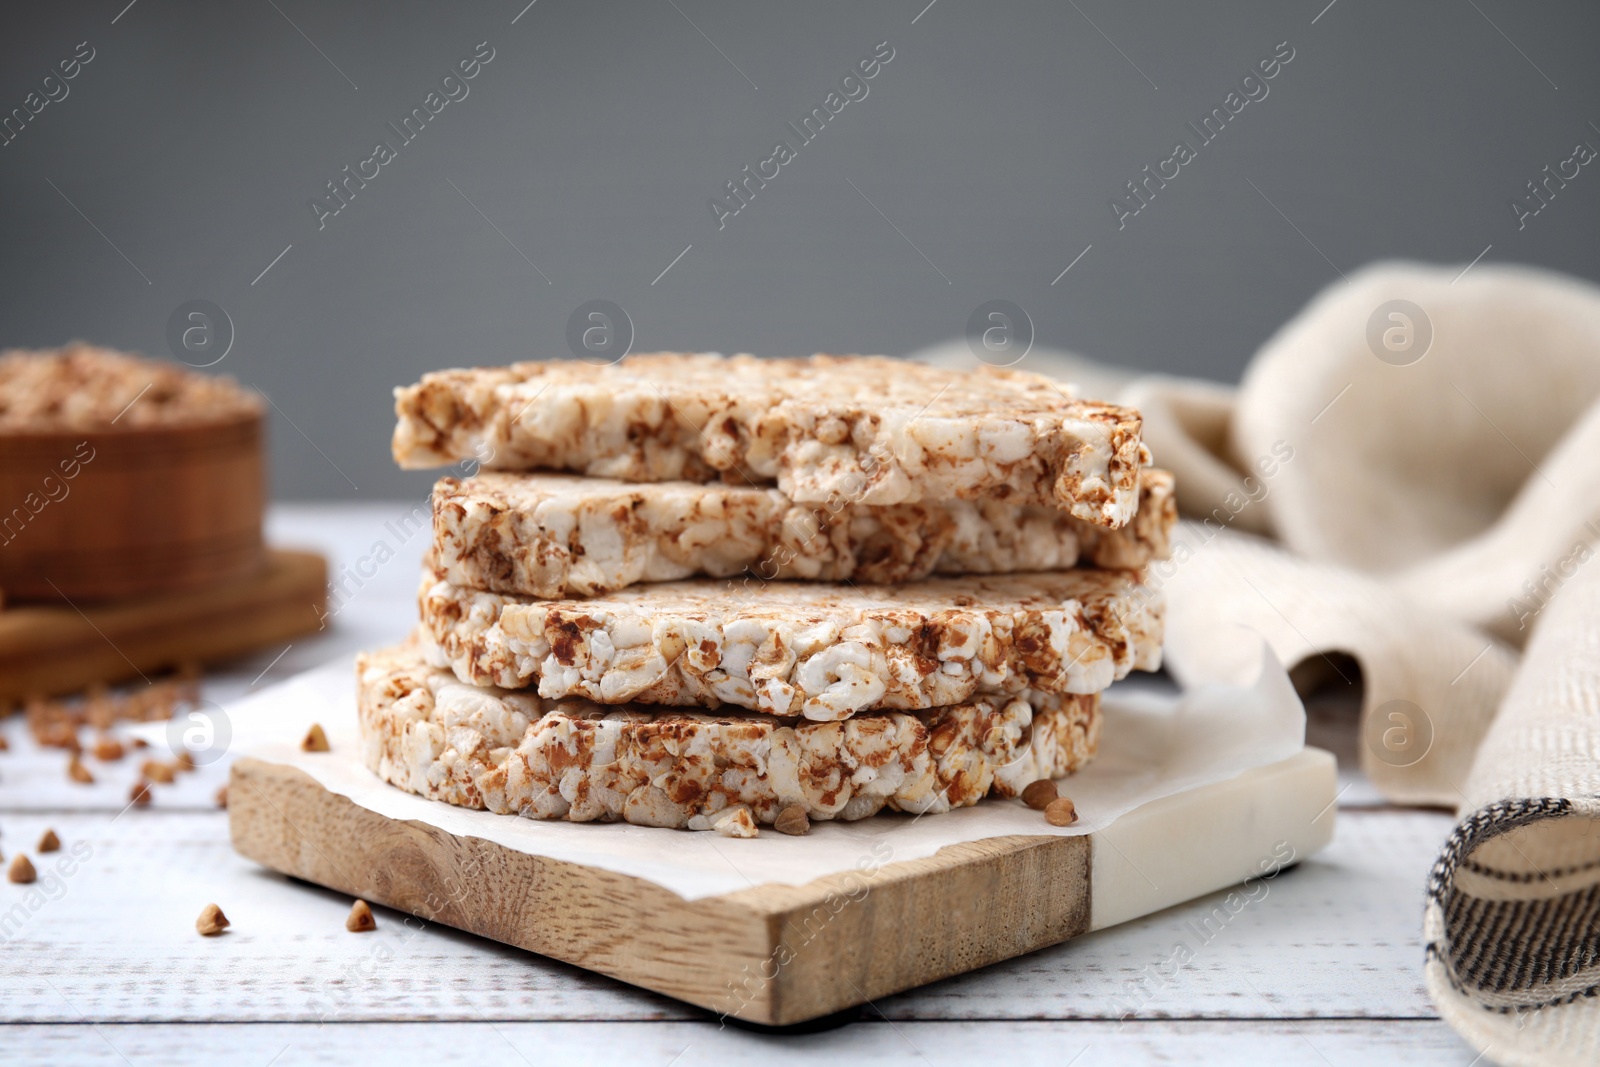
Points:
(778, 955)
(48, 649)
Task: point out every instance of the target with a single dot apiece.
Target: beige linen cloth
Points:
(1407, 483)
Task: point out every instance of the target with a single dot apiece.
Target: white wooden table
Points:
(103, 964)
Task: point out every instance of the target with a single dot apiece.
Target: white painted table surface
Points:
(108, 969)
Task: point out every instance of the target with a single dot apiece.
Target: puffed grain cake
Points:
(515, 753)
(555, 535)
(864, 428)
(819, 650)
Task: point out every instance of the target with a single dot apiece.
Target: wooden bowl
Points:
(102, 514)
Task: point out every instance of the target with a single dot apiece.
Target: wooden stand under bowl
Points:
(58, 649)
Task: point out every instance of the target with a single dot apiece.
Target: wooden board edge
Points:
(599, 920)
(772, 955)
(777, 955)
(850, 938)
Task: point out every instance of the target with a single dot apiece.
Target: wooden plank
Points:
(784, 954)
(57, 648)
(1267, 1042)
(1338, 936)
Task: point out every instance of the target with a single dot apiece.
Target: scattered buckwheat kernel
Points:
(792, 821)
(157, 771)
(222, 795)
(139, 742)
(108, 749)
(78, 772)
(315, 740)
(184, 762)
(21, 871)
(49, 842)
(211, 922)
(1039, 795)
(4, 744)
(140, 796)
(1060, 812)
(99, 708)
(360, 920)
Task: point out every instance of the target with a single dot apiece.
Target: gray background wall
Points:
(592, 142)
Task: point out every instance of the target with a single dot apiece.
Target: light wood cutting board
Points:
(779, 955)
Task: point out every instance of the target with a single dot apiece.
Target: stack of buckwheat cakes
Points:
(717, 593)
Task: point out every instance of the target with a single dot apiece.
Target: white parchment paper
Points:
(1155, 743)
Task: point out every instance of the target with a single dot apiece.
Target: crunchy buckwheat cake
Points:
(515, 753)
(85, 387)
(553, 535)
(865, 428)
(811, 649)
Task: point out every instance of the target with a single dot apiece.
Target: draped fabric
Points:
(1406, 484)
